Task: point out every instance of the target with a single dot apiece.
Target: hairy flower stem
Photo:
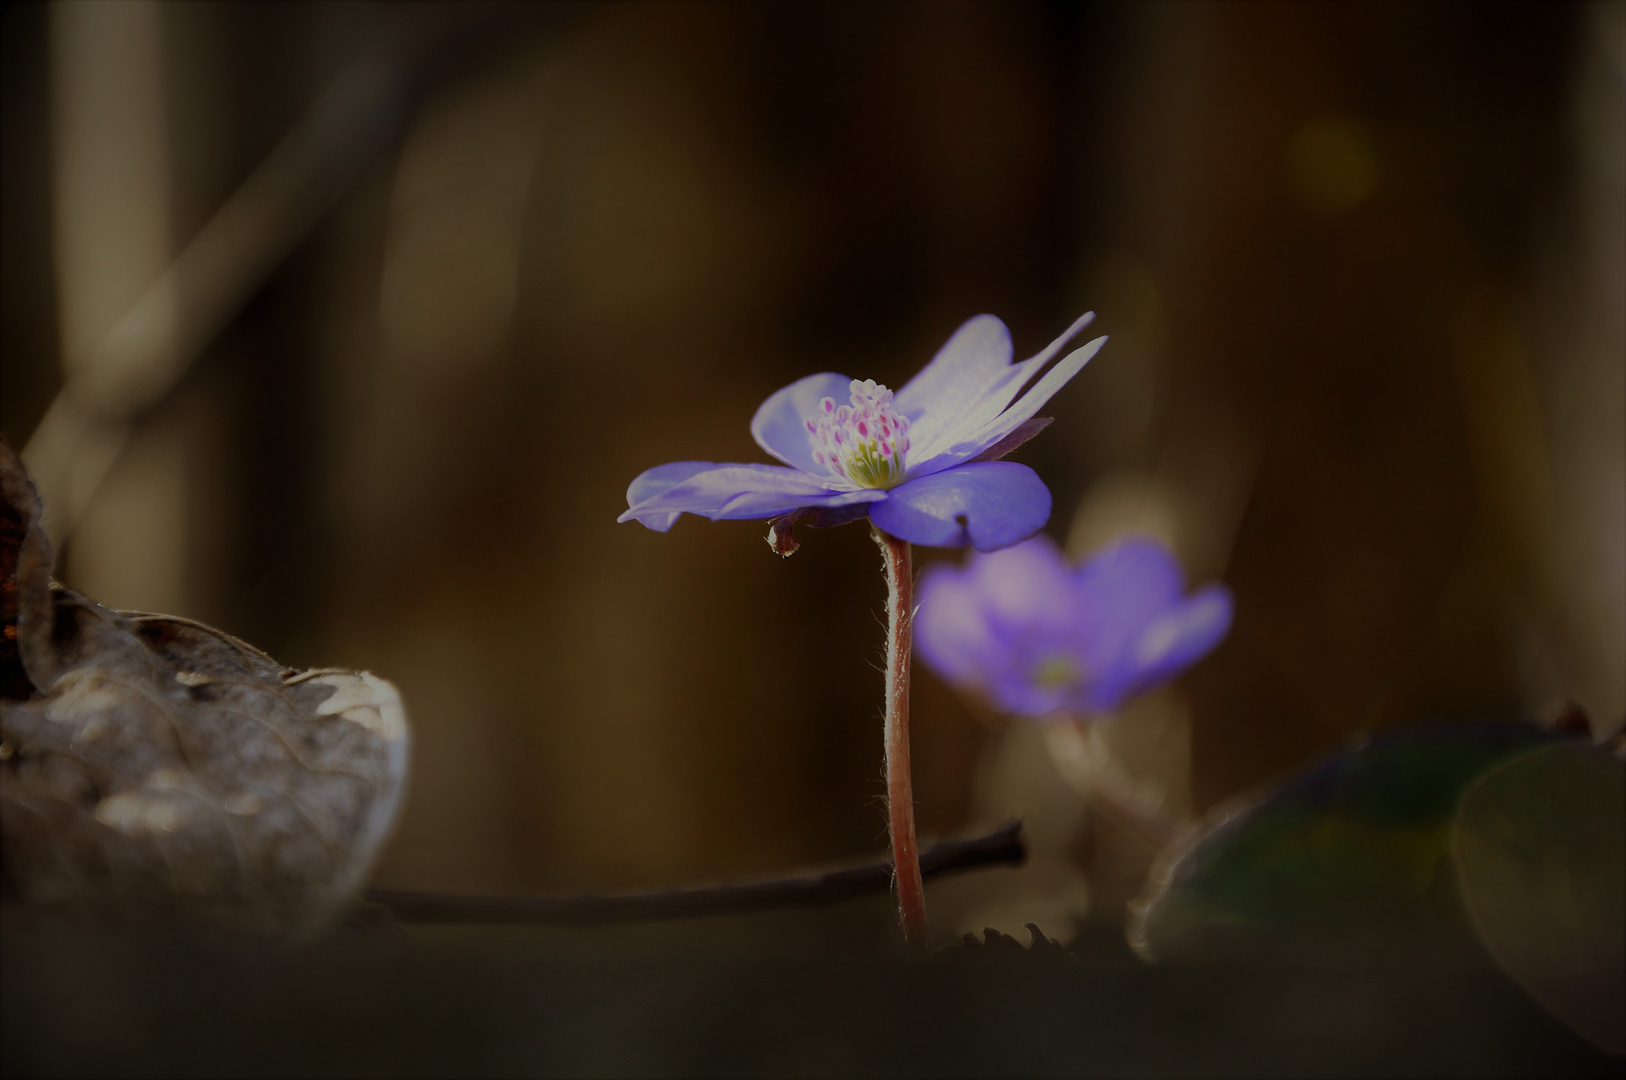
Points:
(900, 790)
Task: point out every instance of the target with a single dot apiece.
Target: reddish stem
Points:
(900, 792)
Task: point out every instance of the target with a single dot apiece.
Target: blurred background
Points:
(344, 326)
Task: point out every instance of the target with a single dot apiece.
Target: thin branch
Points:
(359, 116)
(820, 889)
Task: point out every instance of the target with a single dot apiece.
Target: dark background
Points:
(1362, 266)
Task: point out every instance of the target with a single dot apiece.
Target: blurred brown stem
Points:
(139, 361)
(900, 789)
(1157, 831)
(1086, 762)
(1002, 846)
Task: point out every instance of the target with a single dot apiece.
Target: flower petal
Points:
(947, 418)
(982, 428)
(991, 504)
(1169, 644)
(1015, 692)
(653, 482)
(1182, 637)
(1026, 588)
(946, 426)
(952, 633)
(1042, 391)
(1125, 585)
(1135, 628)
(961, 373)
(779, 426)
(732, 492)
(1026, 430)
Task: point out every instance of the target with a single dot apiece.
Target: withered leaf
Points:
(156, 769)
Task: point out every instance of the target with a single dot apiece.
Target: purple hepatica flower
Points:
(1041, 638)
(921, 464)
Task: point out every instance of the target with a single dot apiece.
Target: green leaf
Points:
(1540, 856)
(1349, 852)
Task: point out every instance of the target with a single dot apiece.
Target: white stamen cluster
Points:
(866, 441)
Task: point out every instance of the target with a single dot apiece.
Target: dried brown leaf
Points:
(154, 768)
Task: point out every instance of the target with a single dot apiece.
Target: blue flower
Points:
(1043, 639)
(921, 464)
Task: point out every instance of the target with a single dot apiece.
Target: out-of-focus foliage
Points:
(1358, 853)
(1353, 849)
(1540, 850)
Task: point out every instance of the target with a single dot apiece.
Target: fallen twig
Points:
(1002, 846)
